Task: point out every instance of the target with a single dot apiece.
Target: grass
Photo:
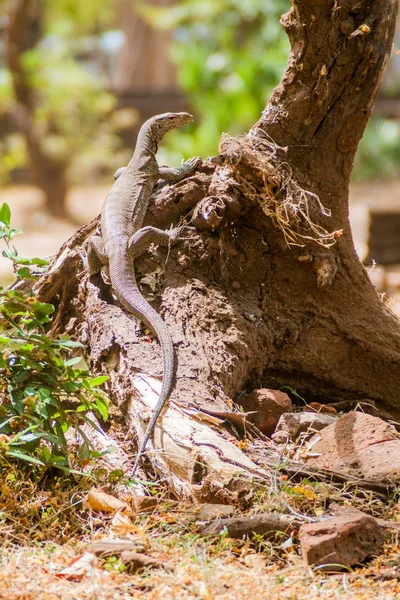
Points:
(44, 527)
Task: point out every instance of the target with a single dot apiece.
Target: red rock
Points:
(295, 423)
(344, 540)
(268, 405)
(316, 407)
(361, 445)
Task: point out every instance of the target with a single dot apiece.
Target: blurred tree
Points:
(230, 55)
(144, 75)
(143, 63)
(61, 109)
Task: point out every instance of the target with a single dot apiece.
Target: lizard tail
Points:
(132, 300)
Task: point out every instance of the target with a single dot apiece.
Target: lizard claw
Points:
(105, 275)
(175, 234)
(194, 162)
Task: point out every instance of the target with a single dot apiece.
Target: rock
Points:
(316, 407)
(255, 561)
(208, 512)
(114, 547)
(295, 423)
(361, 445)
(280, 437)
(135, 561)
(266, 524)
(268, 406)
(344, 540)
(144, 503)
(336, 510)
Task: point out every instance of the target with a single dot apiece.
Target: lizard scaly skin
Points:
(123, 238)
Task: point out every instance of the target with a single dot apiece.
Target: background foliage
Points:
(229, 55)
(75, 115)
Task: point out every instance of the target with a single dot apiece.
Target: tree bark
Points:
(24, 32)
(269, 290)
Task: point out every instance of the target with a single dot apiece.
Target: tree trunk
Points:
(24, 32)
(143, 64)
(269, 291)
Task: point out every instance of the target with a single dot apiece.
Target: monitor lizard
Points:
(123, 238)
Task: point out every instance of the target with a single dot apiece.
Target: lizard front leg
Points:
(140, 242)
(174, 174)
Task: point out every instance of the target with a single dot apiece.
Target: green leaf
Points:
(5, 423)
(46, 453)
(5, 214)
(31, 436)
(40, 262)
(97, 381)
(102, 407)
(26, 457)
(40, 309)
(24, 273)
(69, 344)
(27, 348)
(93, 424)
(8, 253)
(72, 361)
(14, 232)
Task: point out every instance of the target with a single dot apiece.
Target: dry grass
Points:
(44, 527)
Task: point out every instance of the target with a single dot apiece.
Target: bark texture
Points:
(261, 295)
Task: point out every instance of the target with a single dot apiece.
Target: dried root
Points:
(269, 181)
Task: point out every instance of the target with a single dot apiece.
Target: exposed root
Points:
(293, 209)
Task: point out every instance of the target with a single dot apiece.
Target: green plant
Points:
(43, 392)
(230, 55)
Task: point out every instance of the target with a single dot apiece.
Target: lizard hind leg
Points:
(96, 255)
(97, 258)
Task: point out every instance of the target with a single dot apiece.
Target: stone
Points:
(134, 561)
(114, 547)
(280, 437)
(266, 524)
(144, 503)
(267, 406)
(208, 512)
(360, 445)
(316, 407)
(344, 540)
(337, 510)
(293, 424)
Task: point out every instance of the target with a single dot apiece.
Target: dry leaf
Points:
(121, 524)
(255, 561)
(79, 567)
(101, 501)
(204, 592)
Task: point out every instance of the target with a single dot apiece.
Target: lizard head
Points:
(169, 120)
